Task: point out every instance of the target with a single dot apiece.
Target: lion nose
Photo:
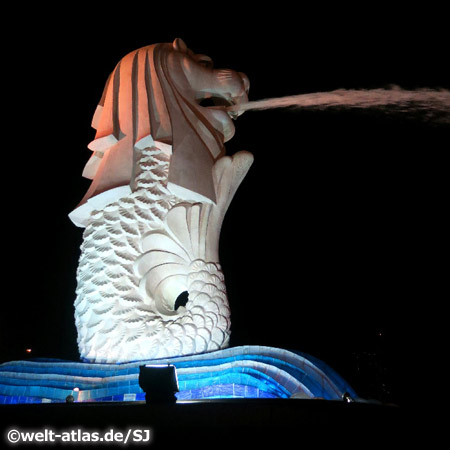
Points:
(243, 97)
(245, 81)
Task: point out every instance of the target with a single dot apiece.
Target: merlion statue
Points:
(149, 282)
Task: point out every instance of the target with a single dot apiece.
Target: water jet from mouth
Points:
(430, 104)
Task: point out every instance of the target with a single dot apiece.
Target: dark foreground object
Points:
(213, 424)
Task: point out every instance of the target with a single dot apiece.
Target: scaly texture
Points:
(124, 248)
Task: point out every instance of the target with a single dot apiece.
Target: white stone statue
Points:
(149, 279)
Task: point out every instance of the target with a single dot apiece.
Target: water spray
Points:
(434, 104)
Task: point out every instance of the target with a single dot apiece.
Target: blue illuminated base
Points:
(239, 372)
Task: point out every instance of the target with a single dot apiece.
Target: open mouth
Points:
(219, 103)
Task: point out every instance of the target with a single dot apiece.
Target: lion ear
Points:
(179, 45)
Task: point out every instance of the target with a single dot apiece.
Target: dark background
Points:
(326, 247)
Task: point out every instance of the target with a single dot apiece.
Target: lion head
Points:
(157, 93)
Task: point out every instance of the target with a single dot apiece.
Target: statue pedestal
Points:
(247, 395)
(238, 372)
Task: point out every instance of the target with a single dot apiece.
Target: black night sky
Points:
(325, 247)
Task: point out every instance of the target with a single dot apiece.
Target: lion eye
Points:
(205, 61)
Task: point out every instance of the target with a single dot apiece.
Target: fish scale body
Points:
(116, 317)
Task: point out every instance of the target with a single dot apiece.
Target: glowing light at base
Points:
(239, 372)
